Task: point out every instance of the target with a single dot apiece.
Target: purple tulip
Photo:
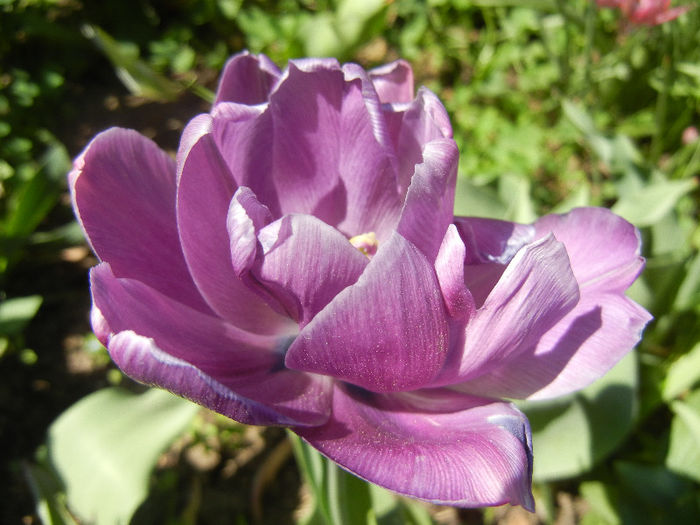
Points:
(299, 264)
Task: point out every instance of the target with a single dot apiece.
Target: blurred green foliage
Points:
(554, 105)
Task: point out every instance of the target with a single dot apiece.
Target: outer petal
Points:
(387, 332)
(205, 189)
(247, 79)
(536, 291)
(435, 445)
(161, 342)
(428, 208)
(602, 327)
(604, 249)
(306, 263)
(579, 349)
(123, 190)
(393, 82)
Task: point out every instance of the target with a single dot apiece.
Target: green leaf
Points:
(650, 203)
(348, 496)
(135, 74)
(310, 464)
(652, 494)
(548, 5)
(571, 434)
(683, 374)
(336, 34)
(48, 497)
(16, 313)
(105, 446)
(477, 201)
(688, 295)
(514, 191)
(684, 445)
(602, 507)
(31, 202)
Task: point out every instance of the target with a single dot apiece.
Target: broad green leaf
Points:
(652, 494)
(669, 237)
(336, 34)
(684, 445)
(683, 374)
(477, 201)
(105, 446)
(602, 509)
(353, 16)
(571, 434)
(514, 191)
(650, 203)
(16, 313)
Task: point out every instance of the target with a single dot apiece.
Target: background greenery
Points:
(554, 104)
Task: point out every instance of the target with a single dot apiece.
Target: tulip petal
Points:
(607, 257)
(327, 159)
(436, 445)
(393, 82)
(242, 134)
(536, 290)
(306, 263)
(579, 349)
(161, 342)
(597, 332)
(449, 267)
(123, 190)
(247, 79)
(246, 216)
(413, 125)
(489, 246)
(492, 240)
(205, 189)
(387, 332)
(429, 204)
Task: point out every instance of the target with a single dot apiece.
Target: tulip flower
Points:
(646, 12)
(299, 264)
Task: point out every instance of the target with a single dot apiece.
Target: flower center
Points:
(367, 243)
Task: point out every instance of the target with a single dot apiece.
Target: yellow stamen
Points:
(367, 243)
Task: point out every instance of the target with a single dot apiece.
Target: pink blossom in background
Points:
(646, 12)
(690, 135)
(299, 264)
